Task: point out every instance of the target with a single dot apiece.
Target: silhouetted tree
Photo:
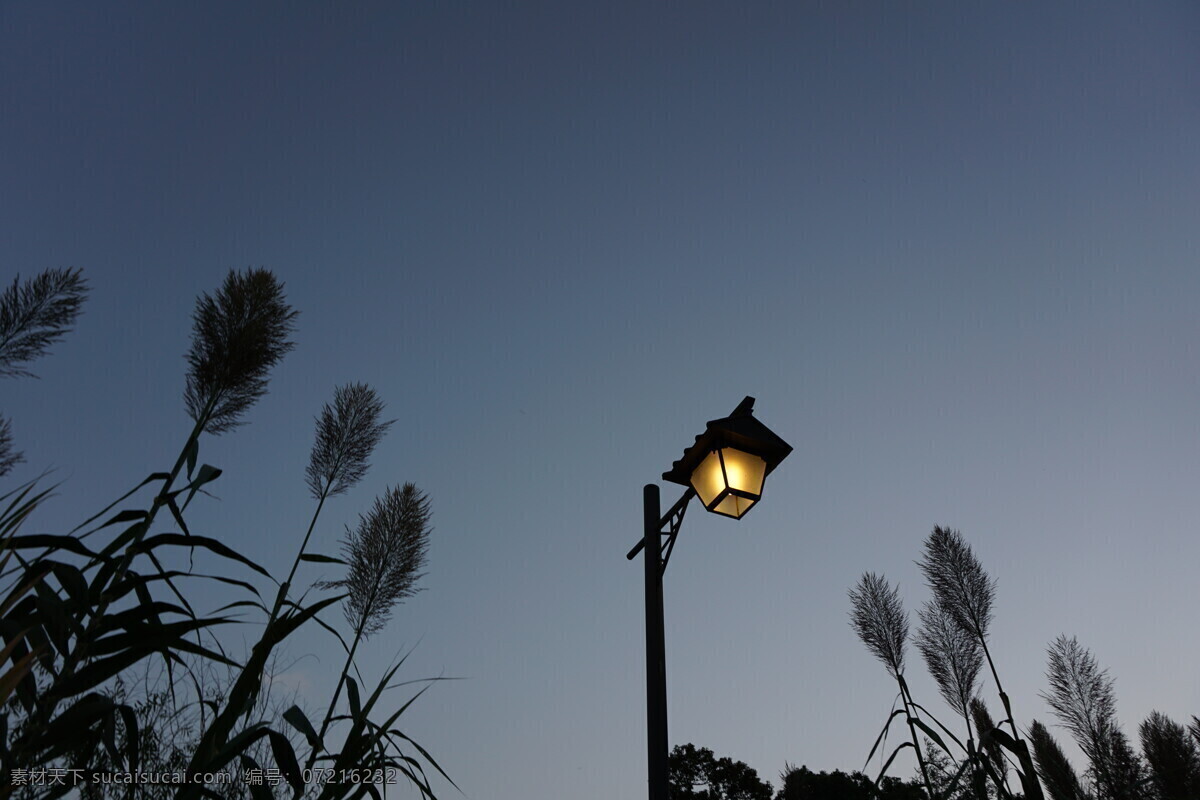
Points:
(1173, 758)
(696, 774)
(896, 789)
(949, 776)
(801, 783)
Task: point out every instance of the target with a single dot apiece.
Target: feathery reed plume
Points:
(1173, 758)
(1194, 728)
(35, 315)
(237, 336)
(347, 433)
(964, 590)
(958, 580)
(954, 659)
(1081, 694)
(385, 555)
(984, 725)
(9, 457)
(879, 619)
(1052, 765)
(952, 655)
(1127, 770)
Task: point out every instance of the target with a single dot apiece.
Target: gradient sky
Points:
(951, 248)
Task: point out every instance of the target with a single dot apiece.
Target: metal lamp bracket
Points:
(671, 520)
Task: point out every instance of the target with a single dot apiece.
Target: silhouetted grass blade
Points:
(178, 540)
(882, 735)
(285, 758)
(296, 717)
(892, 758)
(316, 558)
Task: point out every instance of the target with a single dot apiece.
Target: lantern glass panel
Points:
(708, 479)
(744, 472)
(733, 506)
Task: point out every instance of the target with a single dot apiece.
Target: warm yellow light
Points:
(744, 472)
(709, 480)
(733, 506)
(729, 481)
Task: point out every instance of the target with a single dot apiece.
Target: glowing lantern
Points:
(730, 461)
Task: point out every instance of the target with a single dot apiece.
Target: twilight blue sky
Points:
(951, 248)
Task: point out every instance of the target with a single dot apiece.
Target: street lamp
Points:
(726, 468)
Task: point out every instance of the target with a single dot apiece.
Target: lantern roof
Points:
(741, 430)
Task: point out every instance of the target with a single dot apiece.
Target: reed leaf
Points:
(366, 743)
(890, 759)
(882, 737)
(216, 748)
(918, 707)
(152, 543)
(296, 717)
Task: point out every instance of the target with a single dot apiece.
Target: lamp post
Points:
(725, 467)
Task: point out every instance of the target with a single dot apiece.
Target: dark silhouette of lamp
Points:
(726, 468)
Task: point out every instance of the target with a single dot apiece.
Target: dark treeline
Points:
(697, 774)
